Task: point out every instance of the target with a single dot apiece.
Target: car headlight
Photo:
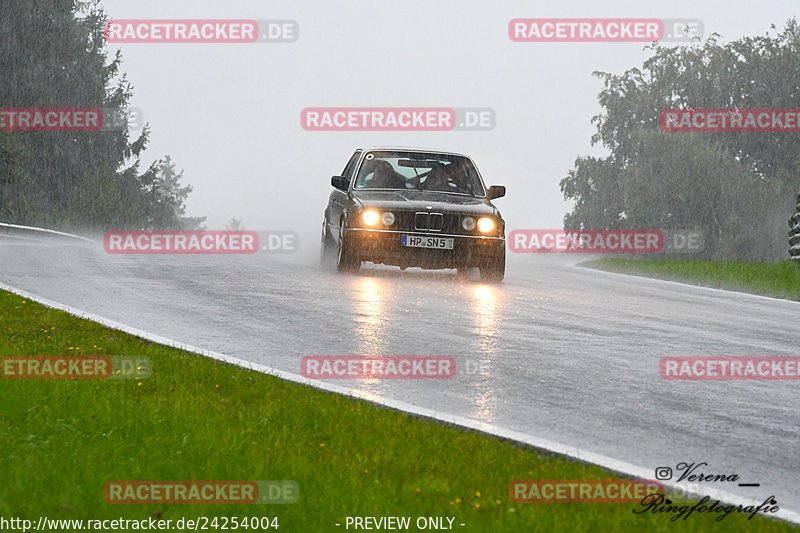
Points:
(468, 223)
(387, 218)
(485, 225)
(370, 217)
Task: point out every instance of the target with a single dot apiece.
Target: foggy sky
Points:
(229, 114)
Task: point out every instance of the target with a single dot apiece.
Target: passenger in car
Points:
(385, 177)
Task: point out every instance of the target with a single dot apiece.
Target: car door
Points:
(338, 199)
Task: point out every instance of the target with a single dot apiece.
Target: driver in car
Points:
(439, 178)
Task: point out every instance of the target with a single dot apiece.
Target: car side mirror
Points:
(496, 191)
(340, 182)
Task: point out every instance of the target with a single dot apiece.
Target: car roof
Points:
(410, 149)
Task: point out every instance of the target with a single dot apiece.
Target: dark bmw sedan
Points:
(414, 208)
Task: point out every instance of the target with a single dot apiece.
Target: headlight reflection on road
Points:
(370, 315)
(486, 304)
(484, 315)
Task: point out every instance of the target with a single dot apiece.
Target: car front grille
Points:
(428, 221)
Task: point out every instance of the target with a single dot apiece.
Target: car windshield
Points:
(419, 171)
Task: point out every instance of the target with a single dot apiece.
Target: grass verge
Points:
(198, 419)
(779, 280)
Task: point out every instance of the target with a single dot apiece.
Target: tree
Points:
(235, 224)
(738, 186)
(52, 54)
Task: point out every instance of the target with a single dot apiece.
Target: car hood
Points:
(424, 201)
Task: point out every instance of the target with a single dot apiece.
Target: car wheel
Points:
(347, 258)
(327, 253)
(495, 270)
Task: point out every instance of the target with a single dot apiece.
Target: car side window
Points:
(351, 165)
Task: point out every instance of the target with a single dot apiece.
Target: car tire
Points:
(495, 270)
(327, 248)
(346, 257)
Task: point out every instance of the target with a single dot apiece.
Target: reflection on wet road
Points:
(556, 351)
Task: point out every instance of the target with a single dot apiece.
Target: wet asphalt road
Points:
(557, 351)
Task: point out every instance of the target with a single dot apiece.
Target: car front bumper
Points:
(384, 246)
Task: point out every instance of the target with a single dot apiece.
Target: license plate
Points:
(415, 241)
